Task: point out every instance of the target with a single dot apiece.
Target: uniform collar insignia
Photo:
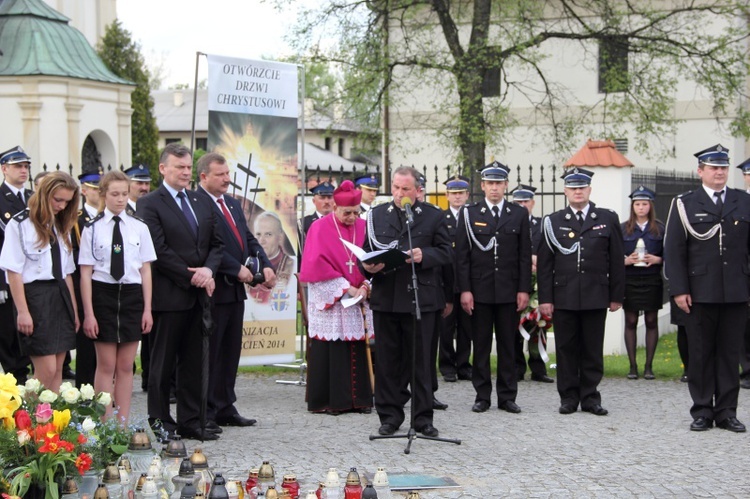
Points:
(418, 210)
(533, 221)
(507, 209)
(593, 215)
(484, 209)
(390, 208)
(567, 216)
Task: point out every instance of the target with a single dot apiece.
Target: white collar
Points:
(711, 192)
(499, 205)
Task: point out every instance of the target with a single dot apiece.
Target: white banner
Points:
(252, 87)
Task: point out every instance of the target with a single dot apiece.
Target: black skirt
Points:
(52, 312)
(643, 293)
(118, 309)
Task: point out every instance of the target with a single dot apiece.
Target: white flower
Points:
(47, 396)
(32, 385)
(105, 399)
(88, 425)
(21, 390)
(23, 437)
(87, 392)
(71, 395)
(67, 385)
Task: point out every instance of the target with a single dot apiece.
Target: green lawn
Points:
(667, 363)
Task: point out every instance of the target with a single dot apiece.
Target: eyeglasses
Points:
(347, 213)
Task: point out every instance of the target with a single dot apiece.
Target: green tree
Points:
(123, 57)
(477, 57)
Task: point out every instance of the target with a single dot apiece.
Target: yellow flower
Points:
(61, 419)
(10, 400)
(9, 423)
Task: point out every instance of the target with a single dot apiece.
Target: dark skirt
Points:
(52, 312)
(118, 309)
(643, 293)
(337, 376)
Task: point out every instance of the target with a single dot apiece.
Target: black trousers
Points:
(536, 364)
(456, 359)
(579, 345)
(713, 342)
(225, 348)
(503, 319)
(393, 349)
(176, 342)
(745, 352)
(10, 348)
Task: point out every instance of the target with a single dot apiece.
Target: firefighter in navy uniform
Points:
(706, 250)
(523, 195)
(493, 265)
(85, 351)
(323, 201)
(139, 186)
(393, 307)
(16, 166)
(369, 186)
(580, 274)
(454, 361)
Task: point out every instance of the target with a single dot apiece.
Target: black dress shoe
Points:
(633, 374)
(213, 427)
(436, 404)
(429, 431)
(465, 375)
(235, 420)
(648, 374)
(386, 429)
(519, 377)
(567, 408)
(701, 423)
(731, 424)
(450, 377)
(596, 410)
(68, 373)
(196, 434)
(684, 378)
(510, 406)
(480, 406)
(745, 383)
(542, 378)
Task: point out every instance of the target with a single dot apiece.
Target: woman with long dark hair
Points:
(38, 259)
(643, 238)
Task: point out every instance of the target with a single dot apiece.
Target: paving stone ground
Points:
(643, 448)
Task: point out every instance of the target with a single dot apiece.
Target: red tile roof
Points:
(598, 153)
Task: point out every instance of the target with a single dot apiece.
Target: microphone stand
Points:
(412, 434)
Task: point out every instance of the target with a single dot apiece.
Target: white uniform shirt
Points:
(23, 254)
(96, 247)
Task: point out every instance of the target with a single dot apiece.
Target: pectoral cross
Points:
(350, 264)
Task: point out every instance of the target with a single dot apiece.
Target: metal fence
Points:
(666, 183)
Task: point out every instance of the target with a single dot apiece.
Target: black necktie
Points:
(579, 215)
(117, 263)
(56, 260)
(188, 213)
(719, 202)
(496, 211)
(20, 198)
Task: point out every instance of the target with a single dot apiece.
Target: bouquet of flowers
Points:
(44, 435)
(533, 327)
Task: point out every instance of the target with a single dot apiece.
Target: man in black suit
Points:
(229, 297)
(523, 195)
(189, 248)
(706, 250)
(454, 362)
(393, 307)
(580, 274)
(493, 264)
(16, 165)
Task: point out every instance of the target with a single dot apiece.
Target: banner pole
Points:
(195, 103)
(302, 158)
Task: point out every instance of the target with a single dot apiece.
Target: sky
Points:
(170, 32)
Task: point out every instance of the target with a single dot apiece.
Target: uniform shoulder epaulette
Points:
(21, 215)
(684, 194)
(137, 218)
(95, 219)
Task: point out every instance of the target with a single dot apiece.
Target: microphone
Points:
(406, 203)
